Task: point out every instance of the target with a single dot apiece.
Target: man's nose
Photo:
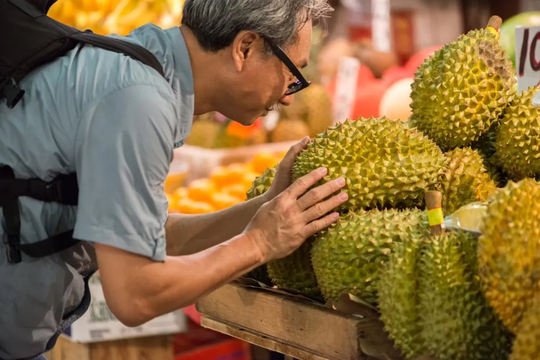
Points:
(286, 100)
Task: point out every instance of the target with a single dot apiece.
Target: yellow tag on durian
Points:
(435, 217)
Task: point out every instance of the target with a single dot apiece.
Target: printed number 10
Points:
(535, 64)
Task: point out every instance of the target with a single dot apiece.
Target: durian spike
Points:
(435, 213)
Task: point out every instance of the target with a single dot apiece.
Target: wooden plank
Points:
(261, 340)
(298, 323)
(155, 347)
(66, 350)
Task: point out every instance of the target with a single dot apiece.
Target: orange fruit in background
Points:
(174, 181)
(220, 177)
(189, 206)
(236, 190)
(223, 200)
(181, 192)
(264, 160)
(237, 171)
(201, 190)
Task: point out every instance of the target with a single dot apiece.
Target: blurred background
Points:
(380, 43)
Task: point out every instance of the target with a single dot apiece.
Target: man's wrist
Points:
(255, 238)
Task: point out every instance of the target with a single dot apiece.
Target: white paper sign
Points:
(380, 11)
(527, 56)
(99, 323)
(346, 83)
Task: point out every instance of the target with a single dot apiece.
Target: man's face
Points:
(264, 80)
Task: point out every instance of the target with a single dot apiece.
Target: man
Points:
(115, 122)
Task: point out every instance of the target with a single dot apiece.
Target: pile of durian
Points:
(454, 296)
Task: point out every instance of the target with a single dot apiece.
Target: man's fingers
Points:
(294, 151)
(315, 226)
(300, 186)
(323, 208)
(320, 193)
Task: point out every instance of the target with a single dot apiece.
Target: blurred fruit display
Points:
(117, 16)
(225, 187)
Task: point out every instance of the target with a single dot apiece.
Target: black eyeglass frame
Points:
(301, 83)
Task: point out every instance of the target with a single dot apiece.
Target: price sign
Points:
(346, 83)
(380, 11)
(528, 56)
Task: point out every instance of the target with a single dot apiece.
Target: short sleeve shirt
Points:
(115, 122)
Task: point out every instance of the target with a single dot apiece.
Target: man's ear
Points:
(243, 48)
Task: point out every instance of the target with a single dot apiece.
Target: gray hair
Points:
(216, 23)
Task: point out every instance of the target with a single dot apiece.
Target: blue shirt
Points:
(115, 122)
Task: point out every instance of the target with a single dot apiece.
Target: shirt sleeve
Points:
(124, 149)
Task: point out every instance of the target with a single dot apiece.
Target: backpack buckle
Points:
(13, 93)
(12, 252)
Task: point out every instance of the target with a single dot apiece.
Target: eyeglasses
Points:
(300, 83)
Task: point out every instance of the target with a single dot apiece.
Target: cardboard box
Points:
(99, 323)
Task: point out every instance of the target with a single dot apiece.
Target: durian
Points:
(319, 108)
(527, 343)
(384, 163)
(204, 132)
(456, 320)
(509, 250)
(486, 148)
(460, 91)
(398, 298)
(295, 272)
(518, 139)
(260, 185)
(466, 180)
(289, 130)
(431, 301)
(348, 256)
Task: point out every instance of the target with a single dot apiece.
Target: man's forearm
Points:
(151, 289)
(189, 234)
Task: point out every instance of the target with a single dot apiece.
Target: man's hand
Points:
(282, 180)
(283, 224)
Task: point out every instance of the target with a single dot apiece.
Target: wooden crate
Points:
(294, 327)
(149, 348)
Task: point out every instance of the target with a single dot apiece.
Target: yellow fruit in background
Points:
(237, 171)
(263, 161)
(117, 16)
(174, 181)
(201, 190)
(223, 201)
(171, 199)
(189, 206)
(181, 192)
(220, 177)
(236, 190)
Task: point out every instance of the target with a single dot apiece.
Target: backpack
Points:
(30, 39)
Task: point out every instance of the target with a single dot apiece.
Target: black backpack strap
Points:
(49, 246)
(63, 189)
(12, 216)
(120, 46)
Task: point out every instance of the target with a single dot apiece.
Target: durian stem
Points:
(435, 214)
(495, 22)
